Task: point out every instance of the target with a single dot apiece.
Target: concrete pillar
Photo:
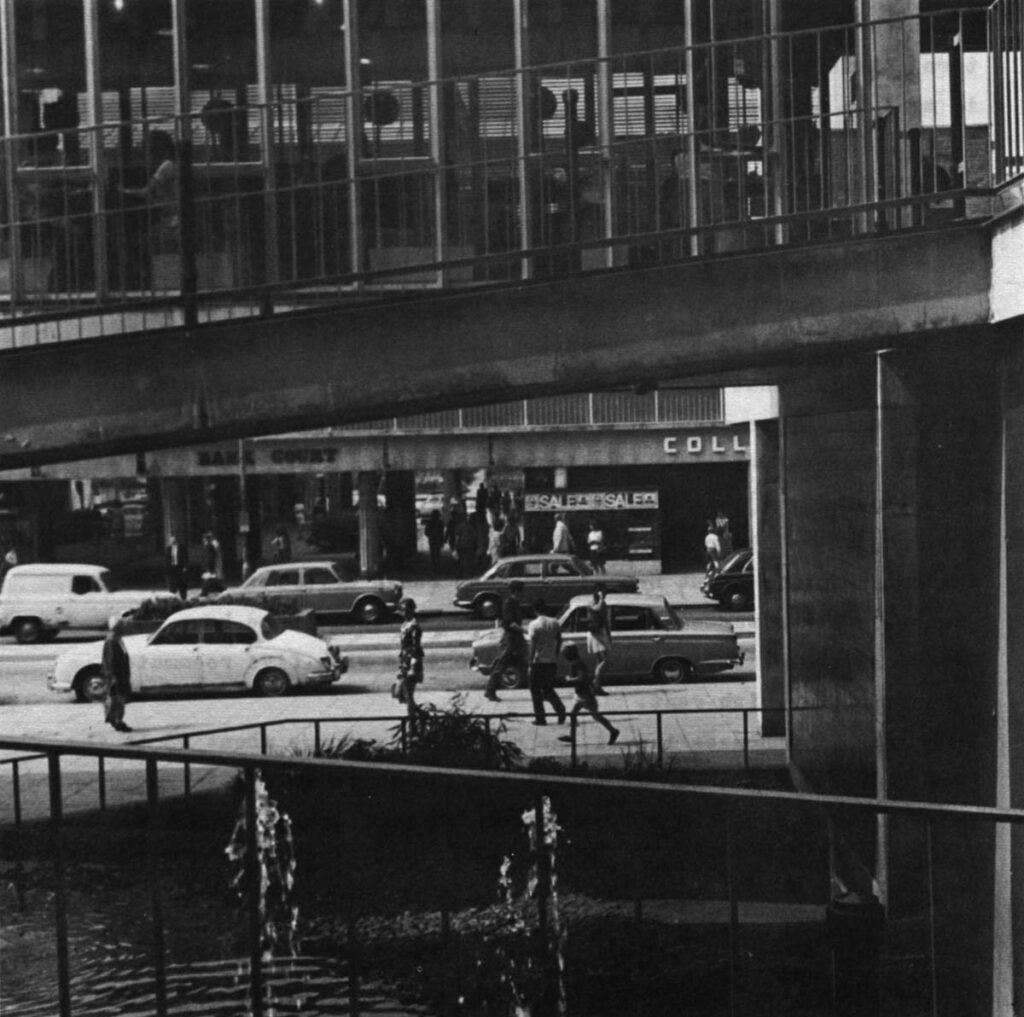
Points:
(367, 482)
(766, 536)
(401, 515)
(1008, 892)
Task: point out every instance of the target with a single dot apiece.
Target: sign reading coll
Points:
(591, 501)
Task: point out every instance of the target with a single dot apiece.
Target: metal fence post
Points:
(16, 790)
(661, 739)
(572, 741)
(101, 765)
(59, 897)
(746, 739)
(159, 953)
(734, 908)
(185, 742)
(316, 737)
(263, 739)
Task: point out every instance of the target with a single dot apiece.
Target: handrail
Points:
(54, 750)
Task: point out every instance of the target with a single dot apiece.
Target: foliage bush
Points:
(159, 609)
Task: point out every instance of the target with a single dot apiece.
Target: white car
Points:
(217, 646)
(37, 600)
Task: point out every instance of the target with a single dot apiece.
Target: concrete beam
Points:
(357, 363)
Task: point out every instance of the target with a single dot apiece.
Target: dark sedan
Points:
(556, 578)
(733, 584)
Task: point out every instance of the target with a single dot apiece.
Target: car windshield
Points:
(270, 627)
(109, 582)
(256, 579)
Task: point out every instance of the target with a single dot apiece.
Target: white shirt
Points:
(543, 634)
(712, 543)
(560, 538)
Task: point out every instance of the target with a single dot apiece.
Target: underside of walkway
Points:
(415, 354)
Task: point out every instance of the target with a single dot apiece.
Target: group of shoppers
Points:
(535, 648)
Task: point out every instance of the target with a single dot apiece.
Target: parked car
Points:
(557, 578)
(218, 645)
(651, 642)
(733, 584)
(38, 600)
(322, 587)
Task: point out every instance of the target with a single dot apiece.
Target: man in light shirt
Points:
(544, 637)
(561, 539)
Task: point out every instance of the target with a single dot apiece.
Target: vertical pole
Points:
(316, 737)
(572, 737)
(525, 114)
(932, 953)
(263, 739)
(353, 134)
(487, 727)
(437, 139)
(692, 206)
(606, 127)
(243, 510)
(958, 124)
(59, 897)
(734, 909)
(9, 69)
(265, 92)
(661, 738)
(543, 892)
(16, 790)
(186, 191)
(156, 904)
(746, 739)
(101, 780)
(98, 157)
(188, 767)
(252, 883)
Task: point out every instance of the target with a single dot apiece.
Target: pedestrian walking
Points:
(433, 530)
(544, 639)
(176, 561)
(410, 656)
(712, 551)
(512, 648)
(561, 538)
(281, 546)
(213, 565)
(116, 669)
(583, 686)
(599, 636)
(595, 547)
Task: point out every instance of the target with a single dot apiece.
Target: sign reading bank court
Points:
(591, 501)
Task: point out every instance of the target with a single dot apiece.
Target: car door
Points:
(530, 574)
(226, 652)
(324, 592)
(89, 605)
(563, 581)
(171, 658)
(286, 583)
(636, 641)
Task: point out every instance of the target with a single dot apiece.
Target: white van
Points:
(39, 600)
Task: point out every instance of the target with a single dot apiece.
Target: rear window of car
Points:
(270, 627)
(228, 632)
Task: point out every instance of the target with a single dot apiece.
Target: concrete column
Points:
(766, 536)
(367, 483)
(1008, 892)
(401, 515)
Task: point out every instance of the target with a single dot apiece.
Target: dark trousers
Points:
(512, 650)
(542, 690)
(177, 582)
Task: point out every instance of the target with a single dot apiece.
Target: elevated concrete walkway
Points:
(731, 314)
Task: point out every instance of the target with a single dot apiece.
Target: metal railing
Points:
(792, 155)
(662, 753)
(746, 845)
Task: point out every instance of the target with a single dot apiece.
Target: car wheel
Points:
(90, 686)
(488, 607)
(736, 599)
(370, 611)
(511, 677)
(272, 682)
(673, 671)
(28, 630)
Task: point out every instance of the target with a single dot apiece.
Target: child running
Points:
(583, 685)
